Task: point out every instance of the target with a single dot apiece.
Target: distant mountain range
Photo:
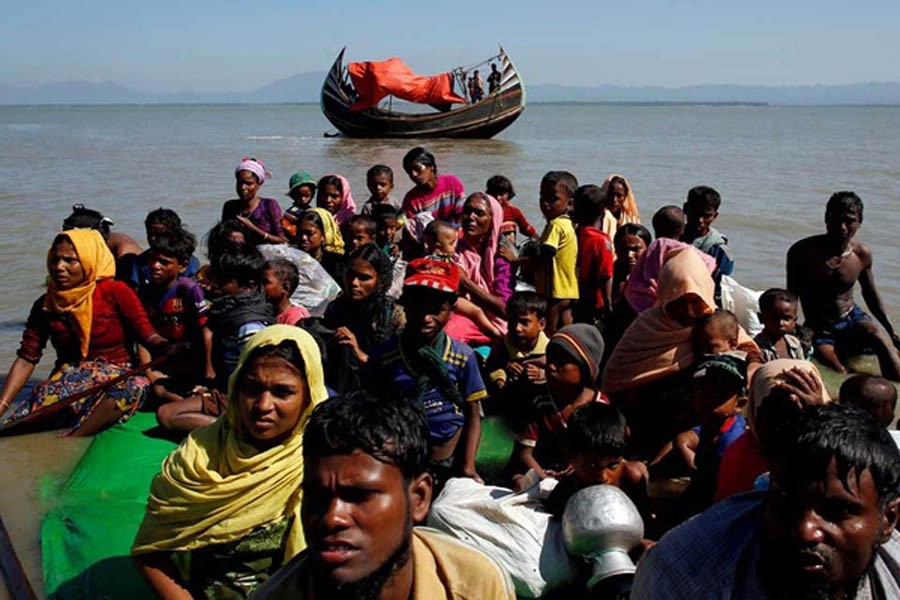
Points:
(305, 87)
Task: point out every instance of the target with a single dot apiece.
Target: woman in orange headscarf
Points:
(644, 372)
(89, 318)
(620, 204)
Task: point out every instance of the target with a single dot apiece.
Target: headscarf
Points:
(767, 378)
(334, 242)
(656, 345)
(643, 282)
(255, 166)
(630, 212)
(480, 267)
(582, 342)
(216, 487)
(347, 209)
(97, 262)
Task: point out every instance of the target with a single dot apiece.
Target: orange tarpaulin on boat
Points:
(376, 80)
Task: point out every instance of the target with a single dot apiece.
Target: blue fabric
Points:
(390, 369)
(827, 335)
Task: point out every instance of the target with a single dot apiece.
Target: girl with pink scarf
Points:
(333, 194)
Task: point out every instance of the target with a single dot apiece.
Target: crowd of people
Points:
(318, 434)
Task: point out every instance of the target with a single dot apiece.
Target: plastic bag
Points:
(512, 528)
(316, 289)
(744, 303)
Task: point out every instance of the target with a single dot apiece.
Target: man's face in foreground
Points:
(820, 536)
(358, 514)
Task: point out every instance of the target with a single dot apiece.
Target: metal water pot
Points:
(601, 524)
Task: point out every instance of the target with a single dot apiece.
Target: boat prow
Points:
(482, 119)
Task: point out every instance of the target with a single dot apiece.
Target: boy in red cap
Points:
(424, 364)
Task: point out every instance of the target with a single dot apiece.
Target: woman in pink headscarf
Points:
(261, 216)
(333, 194)
(485, 276)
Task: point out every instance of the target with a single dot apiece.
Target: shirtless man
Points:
(822, 271)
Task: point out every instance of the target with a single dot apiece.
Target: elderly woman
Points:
(230, 494)
(261, 216)
(621, 207)
(779, 389)
(91, 320)
(485, 276)
(646, 375)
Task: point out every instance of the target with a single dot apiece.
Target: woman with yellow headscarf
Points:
(230, 495)
(91, 321)
(319, 236)
(621, 206)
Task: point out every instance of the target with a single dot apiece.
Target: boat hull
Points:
(482, 119)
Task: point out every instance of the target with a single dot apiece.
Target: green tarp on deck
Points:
(91, 521)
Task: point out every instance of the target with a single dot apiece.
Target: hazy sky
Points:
(235, 45)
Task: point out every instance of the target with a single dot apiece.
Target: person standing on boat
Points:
(91, 320)
(493, 79)
(823, 271)
(261, 216)
(477, 87)
(441, 195)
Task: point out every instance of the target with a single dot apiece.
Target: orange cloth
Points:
(97, 262)
(656, 345)
(376, 80)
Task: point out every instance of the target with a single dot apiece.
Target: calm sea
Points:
(774, 166)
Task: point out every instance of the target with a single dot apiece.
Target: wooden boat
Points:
(482, 119)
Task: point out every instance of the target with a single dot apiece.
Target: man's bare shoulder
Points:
(806, 247)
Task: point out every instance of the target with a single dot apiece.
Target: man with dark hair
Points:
(822, 270)
(824, 529)
(365, 486)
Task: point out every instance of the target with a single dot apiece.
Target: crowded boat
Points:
(424, 394)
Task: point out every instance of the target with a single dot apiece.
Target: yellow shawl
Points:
(334, 242)
(97, 262)
(216, 488)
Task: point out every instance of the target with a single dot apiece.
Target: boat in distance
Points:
(351, 94)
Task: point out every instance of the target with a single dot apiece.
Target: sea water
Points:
(774, 166)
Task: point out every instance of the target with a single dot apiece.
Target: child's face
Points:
(360, 279)
(330, 198)
(309, 237)
(427, 313)
(630, 248)
(154, 230)
(590, 469)
(700, 218)
(225, 286)
(554, 200)
(711, 403)
(385, 231)
(164, 269)
(524, 330)
(421, 174)
(563, 373)
(380, 186)
(780, 318)
(273, 287)
(237, 237)
(712, 341)
(503, 198)
(616, 196)
(302, 195)
(357, 237)
(445, 242)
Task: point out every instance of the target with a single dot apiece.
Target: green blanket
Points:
(90, 523)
